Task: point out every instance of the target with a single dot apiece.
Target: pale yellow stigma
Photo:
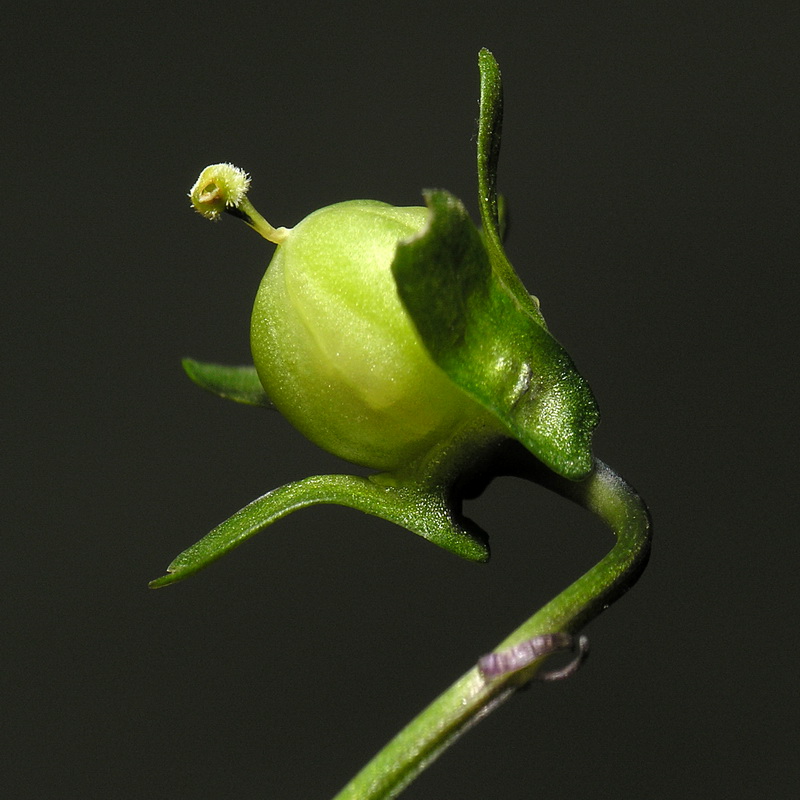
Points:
(223, 188)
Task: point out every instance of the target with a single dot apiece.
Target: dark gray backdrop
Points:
(650, 160)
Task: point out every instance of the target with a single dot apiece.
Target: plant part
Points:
(401, 339)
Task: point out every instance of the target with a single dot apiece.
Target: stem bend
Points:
(472, 697)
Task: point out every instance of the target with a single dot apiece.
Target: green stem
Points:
(472, 697)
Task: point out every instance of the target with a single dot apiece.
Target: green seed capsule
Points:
(335, 349)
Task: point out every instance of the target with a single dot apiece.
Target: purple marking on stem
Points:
(519, 656)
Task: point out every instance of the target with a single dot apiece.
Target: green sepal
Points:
(496, 351)
(423, 512)
(240, 384)
(491, 205)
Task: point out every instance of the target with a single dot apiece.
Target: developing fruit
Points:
(335, 349)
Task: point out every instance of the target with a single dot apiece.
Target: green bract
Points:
(335, 348)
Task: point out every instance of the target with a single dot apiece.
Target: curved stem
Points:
(472, 697)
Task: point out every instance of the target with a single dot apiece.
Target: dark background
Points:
(650, 160)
